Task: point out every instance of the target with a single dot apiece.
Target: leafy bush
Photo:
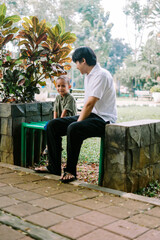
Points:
(155, 88)
(43, 54)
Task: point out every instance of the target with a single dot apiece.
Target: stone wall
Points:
(132, 155)
(11, 117)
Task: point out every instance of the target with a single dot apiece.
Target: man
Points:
(99, 109)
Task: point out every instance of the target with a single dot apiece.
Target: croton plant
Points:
(43, 54)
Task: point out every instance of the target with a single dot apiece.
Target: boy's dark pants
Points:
(76, 132)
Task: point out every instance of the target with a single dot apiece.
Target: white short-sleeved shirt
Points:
(99, 83)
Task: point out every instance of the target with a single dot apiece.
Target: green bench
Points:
(38, 128)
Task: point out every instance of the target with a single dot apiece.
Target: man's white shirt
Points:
(99, 83)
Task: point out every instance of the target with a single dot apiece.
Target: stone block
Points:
(145, 157)
(115, 160)
(6, 143)
(132, 160)
(33, 109)
(154, 153)
(156, 171)
(133, 137)
(6, 126)
(7, 157)
(132, 182)
(145, 135)
(47, 108)
(47, 117)
(33, 119)
(157, 132)
(18, 110)
(5, 110)
(115, 181)
(115, 136)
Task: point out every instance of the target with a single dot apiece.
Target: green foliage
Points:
(151, 190)
(43, 54)
(155, 88)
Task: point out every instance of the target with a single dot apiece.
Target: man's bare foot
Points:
(67, 177)
(41, 169)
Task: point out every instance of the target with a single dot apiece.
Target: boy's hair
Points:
(87, 53)
(65, 78)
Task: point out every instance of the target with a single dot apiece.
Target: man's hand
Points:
(87, 108)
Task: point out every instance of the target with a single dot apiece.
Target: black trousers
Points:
(76, 132)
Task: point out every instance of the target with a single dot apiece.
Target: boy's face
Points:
(62, 87)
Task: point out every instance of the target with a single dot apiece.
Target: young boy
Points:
(65, 104)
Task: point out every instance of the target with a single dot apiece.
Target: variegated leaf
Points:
(61, 22)
(35, 22)
(14, 18)
(67, 67)
(3, 9)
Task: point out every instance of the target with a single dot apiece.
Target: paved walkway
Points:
(36, 206)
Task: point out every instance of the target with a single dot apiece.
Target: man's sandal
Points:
(71, 179)
(41, 169)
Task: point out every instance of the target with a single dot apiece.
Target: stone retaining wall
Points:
(11, 117)
(132, 155)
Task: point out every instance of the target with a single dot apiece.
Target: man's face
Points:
(81, 66)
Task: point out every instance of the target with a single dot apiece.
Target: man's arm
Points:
(87, 108)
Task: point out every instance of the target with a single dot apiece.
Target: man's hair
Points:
(87, 53)
(65, 78)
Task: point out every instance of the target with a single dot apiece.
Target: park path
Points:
(38, 206)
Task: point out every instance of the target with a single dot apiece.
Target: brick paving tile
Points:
(73, 228)
(26, 186)
(22, 209)
(110, 199)
(150, 235)
(26, 238)
(158, 229)
(117, 211)
(68, 197)
(96, 218)
(154, 212)
(91, 204)
(47, 191)
(145, 220)
(135, 205)
(9, 190)
(31, 178)
(7, 233)
(2, 185)
(9, 175)
(126, 229)
(5, 170)
(26, 196)
(45, 219)
(47, 203)
(13, 180)
(87, 193)
(6, 201)
(101, 234)
(69, 210)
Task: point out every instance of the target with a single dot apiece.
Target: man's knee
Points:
(73, 129)
(53, 124)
